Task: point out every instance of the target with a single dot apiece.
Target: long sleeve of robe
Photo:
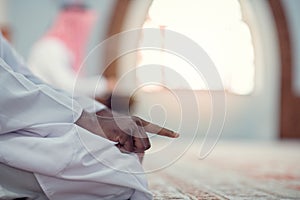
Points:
(38, 134)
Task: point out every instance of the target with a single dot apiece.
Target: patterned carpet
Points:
(234, 170)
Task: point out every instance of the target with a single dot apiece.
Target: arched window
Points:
(218, 27)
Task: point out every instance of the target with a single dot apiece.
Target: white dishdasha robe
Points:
(38, 134)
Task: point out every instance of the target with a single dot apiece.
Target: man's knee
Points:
(16, 183)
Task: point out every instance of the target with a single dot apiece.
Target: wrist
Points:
(87, 121)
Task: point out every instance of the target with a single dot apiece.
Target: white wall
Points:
(254, 116)
(3, 12)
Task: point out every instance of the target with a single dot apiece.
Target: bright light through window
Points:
(218, 27)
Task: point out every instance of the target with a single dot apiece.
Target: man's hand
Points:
(128, 132)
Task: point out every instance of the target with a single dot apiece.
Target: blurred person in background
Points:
(57, 58)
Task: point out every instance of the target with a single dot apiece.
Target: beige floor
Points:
(234, 170)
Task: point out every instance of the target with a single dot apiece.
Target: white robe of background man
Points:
(38, 134)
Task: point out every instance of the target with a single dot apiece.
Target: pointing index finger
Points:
(153, 128)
